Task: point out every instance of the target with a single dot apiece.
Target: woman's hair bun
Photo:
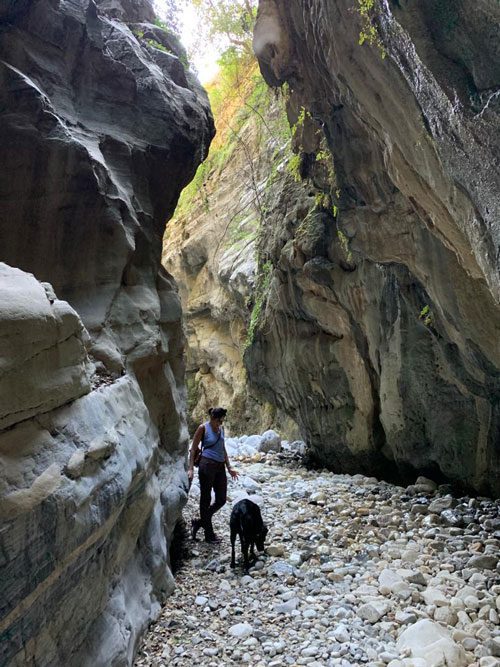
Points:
(217, 413)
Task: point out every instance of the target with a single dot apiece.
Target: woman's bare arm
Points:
(234, 474)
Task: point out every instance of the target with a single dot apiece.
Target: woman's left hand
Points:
(234, 473)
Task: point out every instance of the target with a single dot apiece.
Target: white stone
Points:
(241, 630)
(471, 601)
(249, 484)
(295, 558)
(288, 606)
(76, 464)
(275, 550)
(409, 555)
(446, 615)
(489, 661)
(341, 633)
(483, 561)
(387, 579)
(433, 596)
(253, 442)
(200, 600)
(426, 483)
(102, 448)
(373, 611)
(430, 641)
(270, 442)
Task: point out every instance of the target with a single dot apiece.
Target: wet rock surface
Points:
(355, 572)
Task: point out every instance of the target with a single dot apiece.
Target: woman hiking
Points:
(211, 471)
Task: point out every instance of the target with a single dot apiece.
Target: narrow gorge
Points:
(323, 260)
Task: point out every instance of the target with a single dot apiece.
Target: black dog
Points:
(246, 521)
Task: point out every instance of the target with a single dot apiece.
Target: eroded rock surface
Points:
(211, 249)
(382, 323)
(42, 353)
(101, 127)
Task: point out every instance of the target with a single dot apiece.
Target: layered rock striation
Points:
(382, 321)
(101, 126)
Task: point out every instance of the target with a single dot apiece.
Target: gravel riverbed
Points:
(356, 572)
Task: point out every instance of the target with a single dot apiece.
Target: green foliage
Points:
(238, 94)
(285, 89)
(195, 191)
(157, 45)
(228, 21)
(240, 235)
(369, 33)
(193, 392)
(242, 229)
(324, 158)
(161, 24)
(426, 316)
(261, 289)
(293, 167)
(344, 243)
(322, 201)
(303, 114)
(259, 98)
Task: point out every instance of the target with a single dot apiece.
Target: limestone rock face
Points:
(43, 359)
(211, 248)
(382, 322)
(99, 132)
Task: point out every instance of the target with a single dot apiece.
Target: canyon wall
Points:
(380, 329)
(101, 126)
(211, 247)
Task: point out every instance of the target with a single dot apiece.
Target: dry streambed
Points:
(356, 572)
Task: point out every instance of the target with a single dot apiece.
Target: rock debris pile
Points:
(356, 572)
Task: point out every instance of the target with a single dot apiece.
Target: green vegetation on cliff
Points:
(369, 34)
(261, 289)
(237, 96)
(228, 22)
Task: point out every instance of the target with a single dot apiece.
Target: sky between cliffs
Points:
(204, 62)
(203, 57)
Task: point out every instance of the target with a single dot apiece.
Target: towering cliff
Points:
(101, 126)
(212, 245)
(380, 333)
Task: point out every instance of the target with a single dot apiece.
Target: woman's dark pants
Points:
(212, 476)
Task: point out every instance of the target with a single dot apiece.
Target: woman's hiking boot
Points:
(212, 538)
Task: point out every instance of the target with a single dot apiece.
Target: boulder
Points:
(430, 641)
(270, 442)
(43, 360)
